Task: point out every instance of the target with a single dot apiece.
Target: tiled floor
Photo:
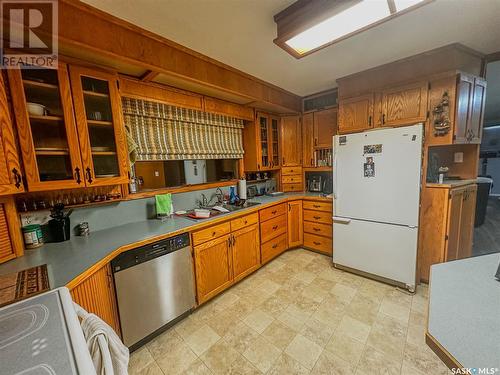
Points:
(298, 315)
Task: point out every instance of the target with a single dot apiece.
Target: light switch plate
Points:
(458, 157)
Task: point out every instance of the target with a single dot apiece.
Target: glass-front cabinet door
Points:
(46, 128)
(100, 126)
(274, 141)
(263, 121)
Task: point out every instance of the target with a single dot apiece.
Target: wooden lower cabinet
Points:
(96, 294)
(447, 225)
(295, 221)
(213, 265)
(245, 250)
(273, 248)
(318, 226)
(11, 242)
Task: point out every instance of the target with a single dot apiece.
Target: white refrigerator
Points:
(376, 189)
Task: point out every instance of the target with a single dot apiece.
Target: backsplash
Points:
(125, 212)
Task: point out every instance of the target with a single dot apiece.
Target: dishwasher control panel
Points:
(148, 252)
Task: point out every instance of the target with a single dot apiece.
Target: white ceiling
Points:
(240, 33)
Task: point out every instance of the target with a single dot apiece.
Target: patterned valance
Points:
(165, 132)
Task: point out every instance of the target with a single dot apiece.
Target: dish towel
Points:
(108, 353)
(164, 205)
(132, 146)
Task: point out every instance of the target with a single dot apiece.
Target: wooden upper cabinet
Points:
(291, 141)
(308, 140)
(10, 171)
(404, 105)
(100, 126)
(464, 96)
(295, 224)
(464, 92)
(477, 111)
(245, 251)
(227, 108)
(261, 143)
(325, 127)
(48, 138)
(356, 114)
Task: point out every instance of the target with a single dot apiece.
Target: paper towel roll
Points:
(242, 189)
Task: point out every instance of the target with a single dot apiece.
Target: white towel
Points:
(108, 353)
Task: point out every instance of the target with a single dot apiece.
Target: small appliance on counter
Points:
(60, 224)
(319, 182)
(252, 191)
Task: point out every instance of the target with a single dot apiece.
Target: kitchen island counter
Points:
(464, 313)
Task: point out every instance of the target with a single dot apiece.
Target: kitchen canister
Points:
(33, 237)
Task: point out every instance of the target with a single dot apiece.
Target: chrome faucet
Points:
(220, 196)
(203, 202)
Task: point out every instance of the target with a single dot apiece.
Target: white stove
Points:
(42, 336)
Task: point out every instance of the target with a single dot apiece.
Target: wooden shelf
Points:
(51, 86)
(99, 123)
(104, 153)
(51, 152)
(317, 169)
(95, 94)
(47, 119)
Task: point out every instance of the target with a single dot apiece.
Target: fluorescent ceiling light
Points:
(359, 16)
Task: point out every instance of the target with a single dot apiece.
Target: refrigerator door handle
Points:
(341, 220)
(334, 170)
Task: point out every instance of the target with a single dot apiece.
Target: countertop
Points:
(464, 310)
(447, 184)
(67, 260)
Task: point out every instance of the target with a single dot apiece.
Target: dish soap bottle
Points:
(232, 195)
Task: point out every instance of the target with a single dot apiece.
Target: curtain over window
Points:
(165, 132)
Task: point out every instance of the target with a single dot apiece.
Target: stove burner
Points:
(21, 323)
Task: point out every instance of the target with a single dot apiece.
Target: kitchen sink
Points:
(230, 207)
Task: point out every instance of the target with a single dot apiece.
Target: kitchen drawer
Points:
(211, 233)
(322, 244)
(273, 248)
(318, 216)
(291, 179)
(318, 229)
(291, 170)
(318, 206)
(269, 213)
(273, 228)
(292, 187)
(244, 221)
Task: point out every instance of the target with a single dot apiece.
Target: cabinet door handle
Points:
(289, 207)
(258, 167)
(383, 118)
(17, 178)
(312, 162)
(77, 175)
(315, 141)
(370, 121)
(88, 175)
(283, 160)
(234, 239)
(229, 242)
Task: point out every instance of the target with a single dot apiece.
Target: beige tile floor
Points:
(298, 315)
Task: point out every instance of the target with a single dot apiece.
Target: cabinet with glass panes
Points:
(56, 140)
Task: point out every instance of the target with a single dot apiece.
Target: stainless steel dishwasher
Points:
(154, 287)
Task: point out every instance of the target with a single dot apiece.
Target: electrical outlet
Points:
(458, 157)
(157, 174)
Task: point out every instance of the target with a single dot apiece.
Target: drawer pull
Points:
(275, 227)
(246, 221)
(317, 229)
(317, 217)
(274, 212)
(316, 206)
(317, 243)
(213, 233)
(275, 246)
